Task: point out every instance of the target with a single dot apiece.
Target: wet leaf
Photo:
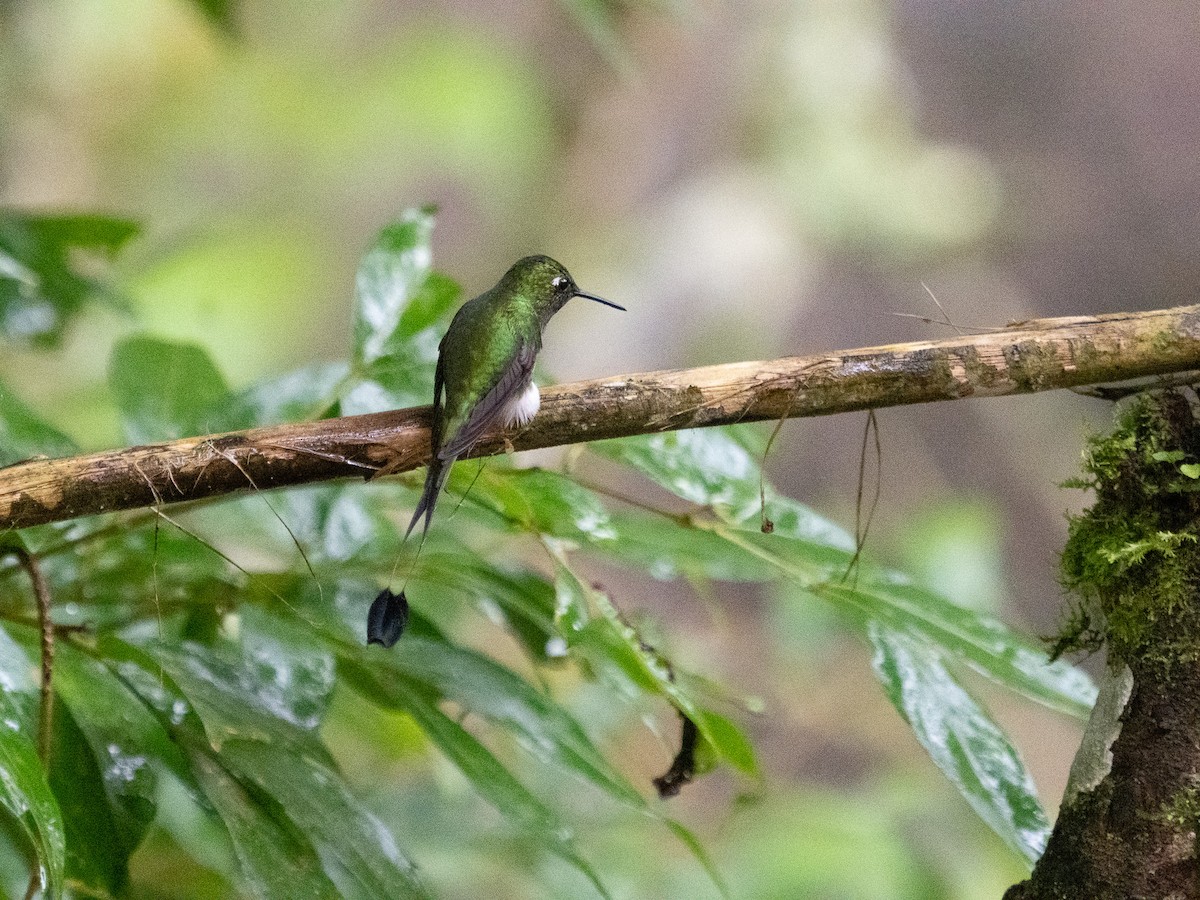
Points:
(402, 309)
(544, 502)
(986, 645)
(274, 687)
(668, 549)
(114, 744)
(275, 859)
(25, 795)
(489, 690)
(318, 804)
(792, 519)
(495, 783)
(24, 791)
(719, 468)
(962, 739)
(992, 648)
(705, 466)
(390, 275)
(524, 601)
(98, 850)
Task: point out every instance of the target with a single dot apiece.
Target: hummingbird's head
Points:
(547, 284)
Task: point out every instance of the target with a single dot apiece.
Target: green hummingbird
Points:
(484, 374)
(484, 378)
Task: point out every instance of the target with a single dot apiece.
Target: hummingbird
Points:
(484, 378)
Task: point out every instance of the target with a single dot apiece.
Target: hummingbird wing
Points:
(435, 477)
(511, 383)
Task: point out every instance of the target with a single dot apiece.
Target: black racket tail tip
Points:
(387, 618)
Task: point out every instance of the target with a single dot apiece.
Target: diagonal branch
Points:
(1038, 355)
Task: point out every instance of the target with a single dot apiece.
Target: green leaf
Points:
(24, 791)
(274, 686)
(1190, 470)
(166, 390)
(611, 643)
(43, 283)
(105, 757)
(124, 733)
(706, 466)
(667, 549)
(97, 850)
(489, 690)
(319, 805)
(543, 502)
(696, 848)
(424, 318)
(299, 395)
(986, 645)
(26, 796)
(350, 523)
(524, 601)
(725, 739)
(23, 434)
(792, 519)
(396, 367)
(961, 738)
(714, 467)
(126, 572)
(275, 858)
(490, 778)
(390, 275)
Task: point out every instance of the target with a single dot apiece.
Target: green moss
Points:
(1183, 810)
(1086, 355)
(1132, 558)
(1031, 363)
(1164, 342)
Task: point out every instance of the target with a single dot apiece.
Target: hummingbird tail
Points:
(435, 479)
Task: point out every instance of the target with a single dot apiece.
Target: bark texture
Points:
(1130, 831)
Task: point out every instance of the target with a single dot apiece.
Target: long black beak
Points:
(579, 293)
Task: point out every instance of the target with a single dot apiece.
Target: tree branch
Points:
(1038, 355)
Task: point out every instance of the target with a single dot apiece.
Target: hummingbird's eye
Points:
(559, 281)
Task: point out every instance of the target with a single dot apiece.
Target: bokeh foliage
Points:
(214, 674)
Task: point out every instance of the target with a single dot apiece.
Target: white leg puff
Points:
(524, 406)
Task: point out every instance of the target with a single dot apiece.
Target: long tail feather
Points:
(435, 479)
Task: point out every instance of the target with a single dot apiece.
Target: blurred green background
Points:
(750, 180)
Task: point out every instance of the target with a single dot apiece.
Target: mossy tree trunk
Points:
(1128, 824)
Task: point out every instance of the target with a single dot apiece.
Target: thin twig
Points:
(863, 527)
(41, 592)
